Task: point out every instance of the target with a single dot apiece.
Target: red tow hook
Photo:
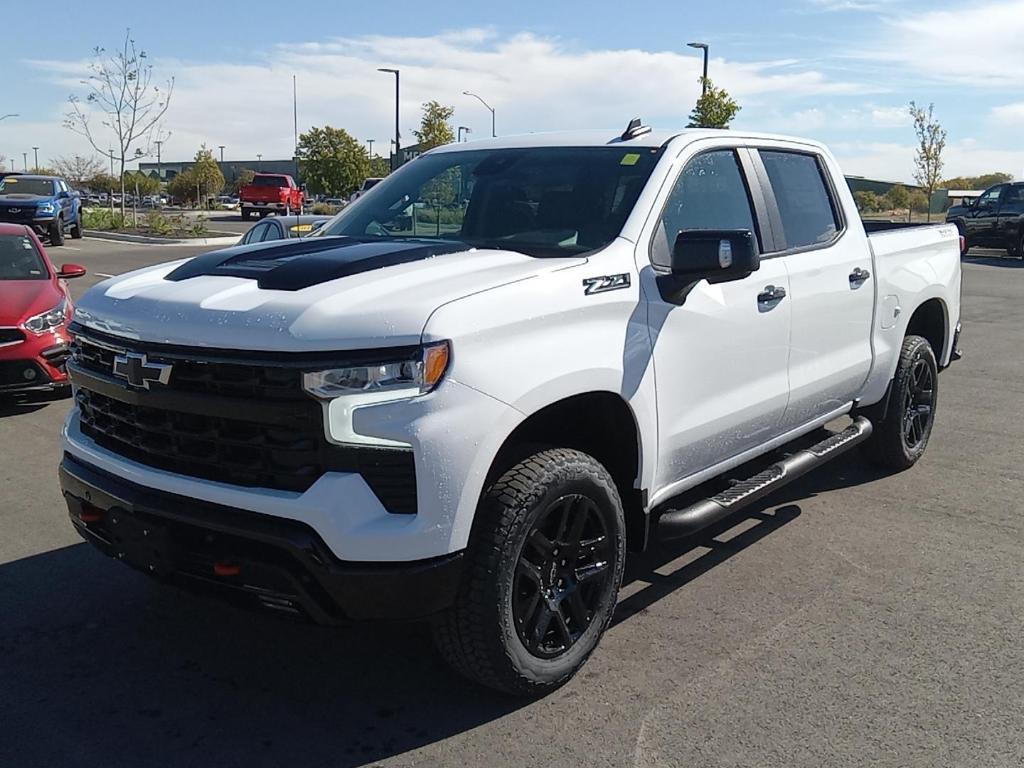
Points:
(90, 514)
(221, 568)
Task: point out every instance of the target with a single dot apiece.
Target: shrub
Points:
(103, 219)
(323, 209)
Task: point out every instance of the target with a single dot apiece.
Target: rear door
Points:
(1011, 214)
(721, 351)
(829, 268)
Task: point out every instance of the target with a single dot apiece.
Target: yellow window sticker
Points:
(301, 228)
(630, 158)
(10, 180)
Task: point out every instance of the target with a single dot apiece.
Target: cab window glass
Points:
(709, 194)
(805, 206)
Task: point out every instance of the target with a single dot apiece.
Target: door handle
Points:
(858, 276)
(771, 293)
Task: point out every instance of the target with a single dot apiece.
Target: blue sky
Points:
(838, 70)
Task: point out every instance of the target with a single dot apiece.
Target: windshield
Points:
(14, 185)
(547, 201)
(19, 259)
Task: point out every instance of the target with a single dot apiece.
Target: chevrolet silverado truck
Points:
(270, 193)
(994, 220)
(45, 203)
(511, 361)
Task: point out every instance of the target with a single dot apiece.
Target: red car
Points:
(35, 312)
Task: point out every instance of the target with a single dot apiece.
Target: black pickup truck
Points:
(993, 220)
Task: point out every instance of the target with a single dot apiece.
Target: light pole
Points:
(24, 161)
(369, 143)
(221, 148)
(111, 152)
(159, 171)
(36, 151)
(259, 161)
(398, 135)
(469, 93)
(459, 132)
(704, 80)
(9, 114)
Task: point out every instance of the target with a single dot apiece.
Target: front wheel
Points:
(246, 213)
(543, 573)
(57, 232)
(76, 228)
(899, 439)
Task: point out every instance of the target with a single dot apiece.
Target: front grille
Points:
(259, 429)
(25, 214)
(11, 336)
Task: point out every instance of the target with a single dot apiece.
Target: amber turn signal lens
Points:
(435, 363)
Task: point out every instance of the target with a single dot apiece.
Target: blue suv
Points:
(45, 203)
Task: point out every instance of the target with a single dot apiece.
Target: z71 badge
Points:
(605, 283)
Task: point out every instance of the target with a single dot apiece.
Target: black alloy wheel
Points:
(917, 404)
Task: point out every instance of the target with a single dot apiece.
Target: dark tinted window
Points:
(991, 196)
(709, 194)
(19, 259)
(20, 185)
(808, 215)
(272, 232)
(270, 181)
(1014, 195)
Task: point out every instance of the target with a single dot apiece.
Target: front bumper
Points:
(269, 562)
(23, 371)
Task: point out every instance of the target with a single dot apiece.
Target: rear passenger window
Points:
(805, 205)
(709, 194)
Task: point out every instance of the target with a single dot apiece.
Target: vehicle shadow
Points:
(17, 405)
(1011, 262)
(99, 666)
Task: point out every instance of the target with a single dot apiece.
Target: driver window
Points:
(991, 197)
(709, 194)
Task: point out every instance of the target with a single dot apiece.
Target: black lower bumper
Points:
(257, 559)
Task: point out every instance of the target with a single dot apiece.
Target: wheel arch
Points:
(599, 423)
(931, 321)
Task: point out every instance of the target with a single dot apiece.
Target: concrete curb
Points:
(121, 237)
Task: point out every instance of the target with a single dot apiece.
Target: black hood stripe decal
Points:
(297, 264)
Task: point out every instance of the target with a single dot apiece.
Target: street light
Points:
(369, 143)
(398, 135)
(159, 170)
(221, 148)
(469, 93)
(10, 114)
(460, 130)
(259, 160)
(704, 81)
(36, 150)
(24, 161)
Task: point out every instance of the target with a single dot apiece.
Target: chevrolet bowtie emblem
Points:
(139, 371)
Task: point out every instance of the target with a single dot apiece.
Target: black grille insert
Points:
(11, 335)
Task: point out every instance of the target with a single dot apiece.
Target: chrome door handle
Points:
(771, 293)
(858, 276)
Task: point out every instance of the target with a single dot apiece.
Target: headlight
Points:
(47, 321)
(46, 208)
(362, 384)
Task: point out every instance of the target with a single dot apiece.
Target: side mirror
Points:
(69, 271)
(717, 255)
(63, 195)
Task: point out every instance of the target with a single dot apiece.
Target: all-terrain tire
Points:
(246, 213)
(900, 438)
(76, 228)
(57, 232)
(484, 635)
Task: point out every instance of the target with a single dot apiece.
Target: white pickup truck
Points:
(497, 371)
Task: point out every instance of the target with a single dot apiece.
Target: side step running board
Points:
(678, 523)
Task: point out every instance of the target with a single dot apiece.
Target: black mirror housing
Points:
(715, 255)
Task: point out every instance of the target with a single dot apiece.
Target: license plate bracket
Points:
(141, 542)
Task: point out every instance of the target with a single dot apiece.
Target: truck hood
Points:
(23, 199)
(312, 294)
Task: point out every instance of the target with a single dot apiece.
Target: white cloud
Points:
(933, 43)
(1009, 114)
(895, 162)
(535, 83)
(851, 5)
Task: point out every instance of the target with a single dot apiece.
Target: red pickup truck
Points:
(270, 192)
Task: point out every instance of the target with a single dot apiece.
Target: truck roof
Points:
(602, 138)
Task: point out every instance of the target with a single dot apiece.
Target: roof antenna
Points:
(634, 129)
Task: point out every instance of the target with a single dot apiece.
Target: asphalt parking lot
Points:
(853, 619)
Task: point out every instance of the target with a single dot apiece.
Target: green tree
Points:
(867, 202)
(984, 181)
(714, 109)
(102, 182)
(931, 141)
(183, 186)
(379, 167)
(206, 175)
(897, 198)
(435, 128)
(918, 201)
(139, 183)
(332, 161)
(245, 177)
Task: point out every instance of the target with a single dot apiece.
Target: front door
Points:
(983, 218)
(721, 352)
(1011, 214)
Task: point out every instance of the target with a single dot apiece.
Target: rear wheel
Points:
(246, 213)
(76, 228)
(543, 573)
(900, 439)
(57, 232)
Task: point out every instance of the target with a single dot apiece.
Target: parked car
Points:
(44, 203)
(336, 202)
(471, 427)
(35, 312)
(270, 193)
(367, 185)
(995, 219)
(283, 228)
